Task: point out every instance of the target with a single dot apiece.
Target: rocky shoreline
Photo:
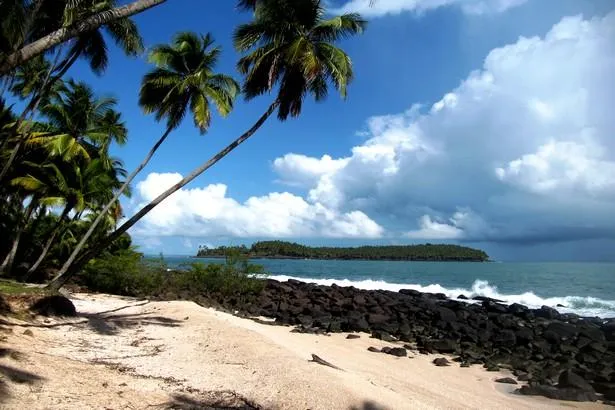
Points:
(561, 356)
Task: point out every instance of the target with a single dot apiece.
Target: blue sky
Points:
(514, 158)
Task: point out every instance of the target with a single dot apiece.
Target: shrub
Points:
(236, 276)
(124, 273)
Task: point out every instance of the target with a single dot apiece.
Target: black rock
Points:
(352, 336)
(442, 346)
(464, 364)
(397, 351)
(523, 377)
(492, 367)
(565, 331)
(568, 378)
(54, 306)
(486, 299)
(382, 335)
(551, 392)
(506, 380)
(374, 349)
(547, 312)
(441, 361)
(462, 297)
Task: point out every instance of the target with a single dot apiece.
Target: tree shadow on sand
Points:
(13, 375)
(110, 325)
(218, 400)
(368, 405)
(106, 323)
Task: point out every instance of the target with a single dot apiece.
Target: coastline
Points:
(142, 354)
(255, 257)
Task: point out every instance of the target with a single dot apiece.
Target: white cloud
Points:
(210, 212)
(301, 170)
(523, 146)
(376, 8)
(521, 150)
(430, 229)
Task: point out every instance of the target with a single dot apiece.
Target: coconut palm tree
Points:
(90, 45)
(105, 13)
(81, 187)
(288, 44)
(183, 80)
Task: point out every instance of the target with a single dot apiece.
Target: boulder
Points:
(382, 335)
(441, 361)
(397, 351)
(547, 312)
(552, 392)
(55, 305)
(568, 378)
(506, 380)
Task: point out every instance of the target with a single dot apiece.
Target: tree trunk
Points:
(104, 211)
(68, 270)
(65, 33)
(54, 233)
(7, 264)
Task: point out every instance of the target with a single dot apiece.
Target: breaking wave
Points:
(581, 305)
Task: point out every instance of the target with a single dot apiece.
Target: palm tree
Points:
(90, 45)
(183, 80)
(289, 43)
(80, 123)
(104, 13)
(81, 188)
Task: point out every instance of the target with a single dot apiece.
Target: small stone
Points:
(441, 361)
(28, 332)
(187, 317)
(506, 380)
(398, 351)
(353, 336)
(465, 364)
(373, 349)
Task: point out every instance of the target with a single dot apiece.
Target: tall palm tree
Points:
(37, 45)
(289, 44)
(90, 45)
(184, 79)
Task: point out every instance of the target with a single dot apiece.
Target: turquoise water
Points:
(584, 288)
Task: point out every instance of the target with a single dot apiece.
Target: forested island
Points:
(291, 250)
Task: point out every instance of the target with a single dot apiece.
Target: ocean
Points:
(587, 289)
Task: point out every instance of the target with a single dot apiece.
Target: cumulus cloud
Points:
(523, 147)
(378, 8)
(208, 212)
(521, 151)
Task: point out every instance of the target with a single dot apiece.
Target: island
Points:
(291, 250)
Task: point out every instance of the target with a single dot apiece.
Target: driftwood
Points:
(318, 360)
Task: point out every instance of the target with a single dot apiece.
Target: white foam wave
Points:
(581, 305)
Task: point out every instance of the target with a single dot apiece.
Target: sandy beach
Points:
(125, 353)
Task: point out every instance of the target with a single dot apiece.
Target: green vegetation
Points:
(60, 187)
(129, 274)
(281, 249)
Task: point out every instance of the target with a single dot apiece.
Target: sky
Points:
(487, 123)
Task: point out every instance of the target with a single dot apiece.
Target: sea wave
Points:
(581, 305)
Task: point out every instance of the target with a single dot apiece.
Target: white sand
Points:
(161, 354)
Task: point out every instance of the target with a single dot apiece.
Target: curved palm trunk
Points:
(54, 233)
(68, 271)
(9, 260)
(66, 33)
(103, 213)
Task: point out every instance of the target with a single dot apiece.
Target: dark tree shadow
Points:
(218, 400)
(104, 323)
(110, 325)
(8, 373)
(368, 405)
